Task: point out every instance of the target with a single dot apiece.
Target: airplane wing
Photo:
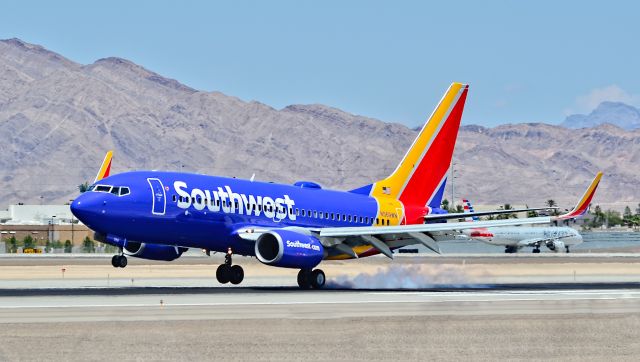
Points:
(350, 240)
(341, 242)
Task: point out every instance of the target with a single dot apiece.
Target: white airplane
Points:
(556, 239)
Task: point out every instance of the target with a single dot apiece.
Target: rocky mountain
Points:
(616, 113)
(58, 117)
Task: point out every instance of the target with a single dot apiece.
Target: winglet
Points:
(105, 168)
(581, 208)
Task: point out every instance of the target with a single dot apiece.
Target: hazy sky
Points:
(525, 61)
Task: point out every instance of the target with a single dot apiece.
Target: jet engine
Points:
(152, 251)
(289, 249)
(556, 245)
(142, 250)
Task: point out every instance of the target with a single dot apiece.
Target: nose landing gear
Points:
(308, 279)
(119, 261)
(229, 273)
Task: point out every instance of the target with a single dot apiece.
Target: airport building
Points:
(43, 223)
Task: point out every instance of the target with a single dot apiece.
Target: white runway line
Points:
(293, 303)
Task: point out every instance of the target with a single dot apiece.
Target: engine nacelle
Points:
(152, 251)
(556, 245)
(289, 249)
(142, 250)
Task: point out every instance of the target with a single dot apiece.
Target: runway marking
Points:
(167, 304)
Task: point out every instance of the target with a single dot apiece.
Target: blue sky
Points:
(525, 61)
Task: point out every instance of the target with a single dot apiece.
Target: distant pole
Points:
(453, 203)
(72, 241)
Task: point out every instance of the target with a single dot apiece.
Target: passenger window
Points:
(344, 217)
(125, 191)
(361, 220)
(387, 222)
(326, 215)
(297, 212)
(315, 214)
(349, 218)
(174, 198)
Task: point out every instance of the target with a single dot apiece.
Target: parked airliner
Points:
(158, 215)
(556, 238)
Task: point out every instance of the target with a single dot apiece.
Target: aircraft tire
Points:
(536, 251)
(223, 273)
(114, 261)
(317, 279)
(122, 261)
(236, 274)
(303, 279)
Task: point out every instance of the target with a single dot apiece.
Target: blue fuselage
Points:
(200, 211)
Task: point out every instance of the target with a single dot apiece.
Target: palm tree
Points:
(83, 187)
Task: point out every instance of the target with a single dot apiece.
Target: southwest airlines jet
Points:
(159, 215)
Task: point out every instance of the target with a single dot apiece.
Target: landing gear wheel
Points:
(303, 279)
(567, 249)
(223, 273)
(236, 274)
(536, 250)
(122, 261)
(114, 261)
(317, 279)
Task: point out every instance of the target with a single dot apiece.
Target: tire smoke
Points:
(409, 277)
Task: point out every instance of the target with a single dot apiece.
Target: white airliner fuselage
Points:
(557, 239)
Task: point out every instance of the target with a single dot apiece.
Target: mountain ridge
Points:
(60, 117)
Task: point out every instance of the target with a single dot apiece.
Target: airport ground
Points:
(479, 307)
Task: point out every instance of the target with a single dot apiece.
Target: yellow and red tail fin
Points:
(583, 205)
(420, 177)
(105, 168)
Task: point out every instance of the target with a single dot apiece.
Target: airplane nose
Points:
(86, 205)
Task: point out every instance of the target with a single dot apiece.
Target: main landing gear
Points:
(536, 250)
(311, 278)
(229, 273)
(510, 249)
(119, 261)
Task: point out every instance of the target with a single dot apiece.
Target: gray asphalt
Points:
(135, 304)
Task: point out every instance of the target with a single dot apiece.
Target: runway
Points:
(585, 308)
(137, 304)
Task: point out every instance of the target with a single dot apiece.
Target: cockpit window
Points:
(102, 188)
(91, 188)
(116, 190)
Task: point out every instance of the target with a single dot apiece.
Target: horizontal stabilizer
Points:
(460, 215)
